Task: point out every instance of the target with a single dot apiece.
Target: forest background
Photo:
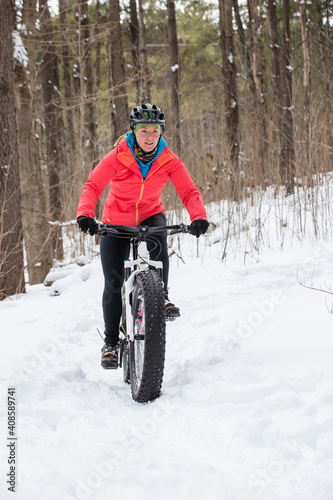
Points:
(246, 88)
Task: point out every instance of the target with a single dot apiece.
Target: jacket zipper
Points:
(141, 193)
(137, 204)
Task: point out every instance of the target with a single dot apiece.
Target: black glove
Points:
(198, 227)
(87, 224)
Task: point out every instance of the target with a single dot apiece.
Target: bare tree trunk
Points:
(174, 77)
(98, 209)
(98, 45)
(276, 81)
(306, 81)
(230, 89)
(280, 95)
(144, 95)
(119, 106)
(70, 134)
(288, 150)
(324, 40)
(89, 134)
(134, 30)
(36, 229)
(70, 167)
(242, 39)
(78, 87)
(77, 81)
(275, 45)
(11, 241)
(53, 124)
(261, 108)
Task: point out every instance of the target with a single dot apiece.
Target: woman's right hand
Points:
(87, 224)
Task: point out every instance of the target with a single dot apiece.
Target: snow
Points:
(246, 410)
(20, 53)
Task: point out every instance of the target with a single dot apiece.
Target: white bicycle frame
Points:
(142, 263)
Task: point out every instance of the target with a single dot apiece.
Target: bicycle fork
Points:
(130, 275)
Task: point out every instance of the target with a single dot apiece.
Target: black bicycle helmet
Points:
(147, 113)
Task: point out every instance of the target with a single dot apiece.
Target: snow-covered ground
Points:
(246, 411)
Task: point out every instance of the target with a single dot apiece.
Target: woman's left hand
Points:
(199, 227)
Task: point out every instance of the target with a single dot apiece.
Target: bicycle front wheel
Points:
(147, 350)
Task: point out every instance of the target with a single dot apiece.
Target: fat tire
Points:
(148, 311)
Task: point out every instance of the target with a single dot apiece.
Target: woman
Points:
(138, 169)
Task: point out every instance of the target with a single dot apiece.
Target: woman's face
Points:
(147, 137)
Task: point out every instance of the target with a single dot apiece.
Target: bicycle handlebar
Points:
(130, 232)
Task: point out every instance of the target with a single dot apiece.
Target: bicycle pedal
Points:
(171, 313)
(109, 365)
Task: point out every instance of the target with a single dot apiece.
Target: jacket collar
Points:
(125, 156)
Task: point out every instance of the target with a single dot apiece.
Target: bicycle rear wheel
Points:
(147, 350)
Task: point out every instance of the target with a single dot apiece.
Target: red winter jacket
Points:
(133, 199)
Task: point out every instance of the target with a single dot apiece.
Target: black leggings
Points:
(113, 253)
